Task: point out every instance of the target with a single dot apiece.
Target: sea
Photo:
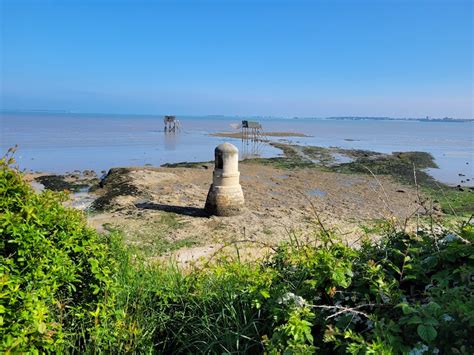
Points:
(67, 142)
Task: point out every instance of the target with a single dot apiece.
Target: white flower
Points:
(447, 318)
(419, 349)
(291, 297)
(449, 238)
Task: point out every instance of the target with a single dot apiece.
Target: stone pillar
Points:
(225, 197)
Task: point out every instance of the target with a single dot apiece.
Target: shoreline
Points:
(141, 141)
(159, 210)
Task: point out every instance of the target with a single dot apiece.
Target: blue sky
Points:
(406, 58)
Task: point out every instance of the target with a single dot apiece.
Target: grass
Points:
(151, 237)
(453, 200)
(236, 307)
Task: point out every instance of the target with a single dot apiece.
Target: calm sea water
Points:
(62, 143)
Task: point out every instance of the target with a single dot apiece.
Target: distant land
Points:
(426, 119)
(348, 118)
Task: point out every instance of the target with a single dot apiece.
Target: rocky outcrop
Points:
(123, 187)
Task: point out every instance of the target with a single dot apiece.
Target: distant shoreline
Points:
(239, 117)
(446, 119)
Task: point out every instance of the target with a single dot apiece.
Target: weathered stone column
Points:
(225, 197)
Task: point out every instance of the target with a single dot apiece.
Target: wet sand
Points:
(166, 208)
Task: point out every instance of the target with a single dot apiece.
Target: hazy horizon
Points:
(70, 112)
(283, 58)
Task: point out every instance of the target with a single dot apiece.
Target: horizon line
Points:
(57, 111)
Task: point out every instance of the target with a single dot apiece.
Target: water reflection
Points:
(251, 149)
(171, 140)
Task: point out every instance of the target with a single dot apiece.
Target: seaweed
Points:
(59, 183)
(185, 164)
(116, 183)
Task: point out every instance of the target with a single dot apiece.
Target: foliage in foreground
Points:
(65, 288)
(56, 275)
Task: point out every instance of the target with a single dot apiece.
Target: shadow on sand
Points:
(186, 211)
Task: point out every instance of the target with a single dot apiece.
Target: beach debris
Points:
(225, 197)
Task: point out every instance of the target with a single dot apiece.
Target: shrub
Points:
(54, 271)
(406, 293)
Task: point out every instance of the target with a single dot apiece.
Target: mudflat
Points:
(160, 210)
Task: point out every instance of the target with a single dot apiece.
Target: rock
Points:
(89, 173)
(58, 183)
(124, 186)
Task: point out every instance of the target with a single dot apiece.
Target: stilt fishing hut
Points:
(171, 124)
(251, 131)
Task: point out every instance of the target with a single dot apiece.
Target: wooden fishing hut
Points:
(251, 131)
(171, 124)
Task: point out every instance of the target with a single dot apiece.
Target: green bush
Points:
(54, 271)
(65, 288)
(406, 293)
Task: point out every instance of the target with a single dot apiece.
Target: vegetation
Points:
(186, 164)
(282, 162)
(151, 237)
(402, 166)
(64, 288)
(59, 183)
(56, 275)
(118, 184)
(398, 165)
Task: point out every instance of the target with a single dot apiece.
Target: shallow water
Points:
(317, 193)
(60, 143)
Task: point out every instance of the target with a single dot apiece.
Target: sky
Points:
(405, 58)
